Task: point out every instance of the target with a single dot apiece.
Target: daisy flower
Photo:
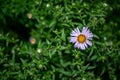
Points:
(81, 39)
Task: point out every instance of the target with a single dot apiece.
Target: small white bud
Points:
(48, 5)
(105, 4)
(29, 15)
(39, 50)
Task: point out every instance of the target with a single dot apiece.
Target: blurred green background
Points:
(34, 40)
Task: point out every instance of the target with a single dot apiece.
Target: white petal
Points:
(74, 33)
(76, 45)
(77, 30)
(89, 43)
(89, 35)
(85, 45)
(84, 30)
(73, 39)
(82, 47)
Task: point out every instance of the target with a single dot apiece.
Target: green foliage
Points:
(34, 40)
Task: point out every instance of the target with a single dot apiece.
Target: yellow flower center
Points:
(81, 38)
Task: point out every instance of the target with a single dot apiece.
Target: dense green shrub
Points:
(34, 40)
